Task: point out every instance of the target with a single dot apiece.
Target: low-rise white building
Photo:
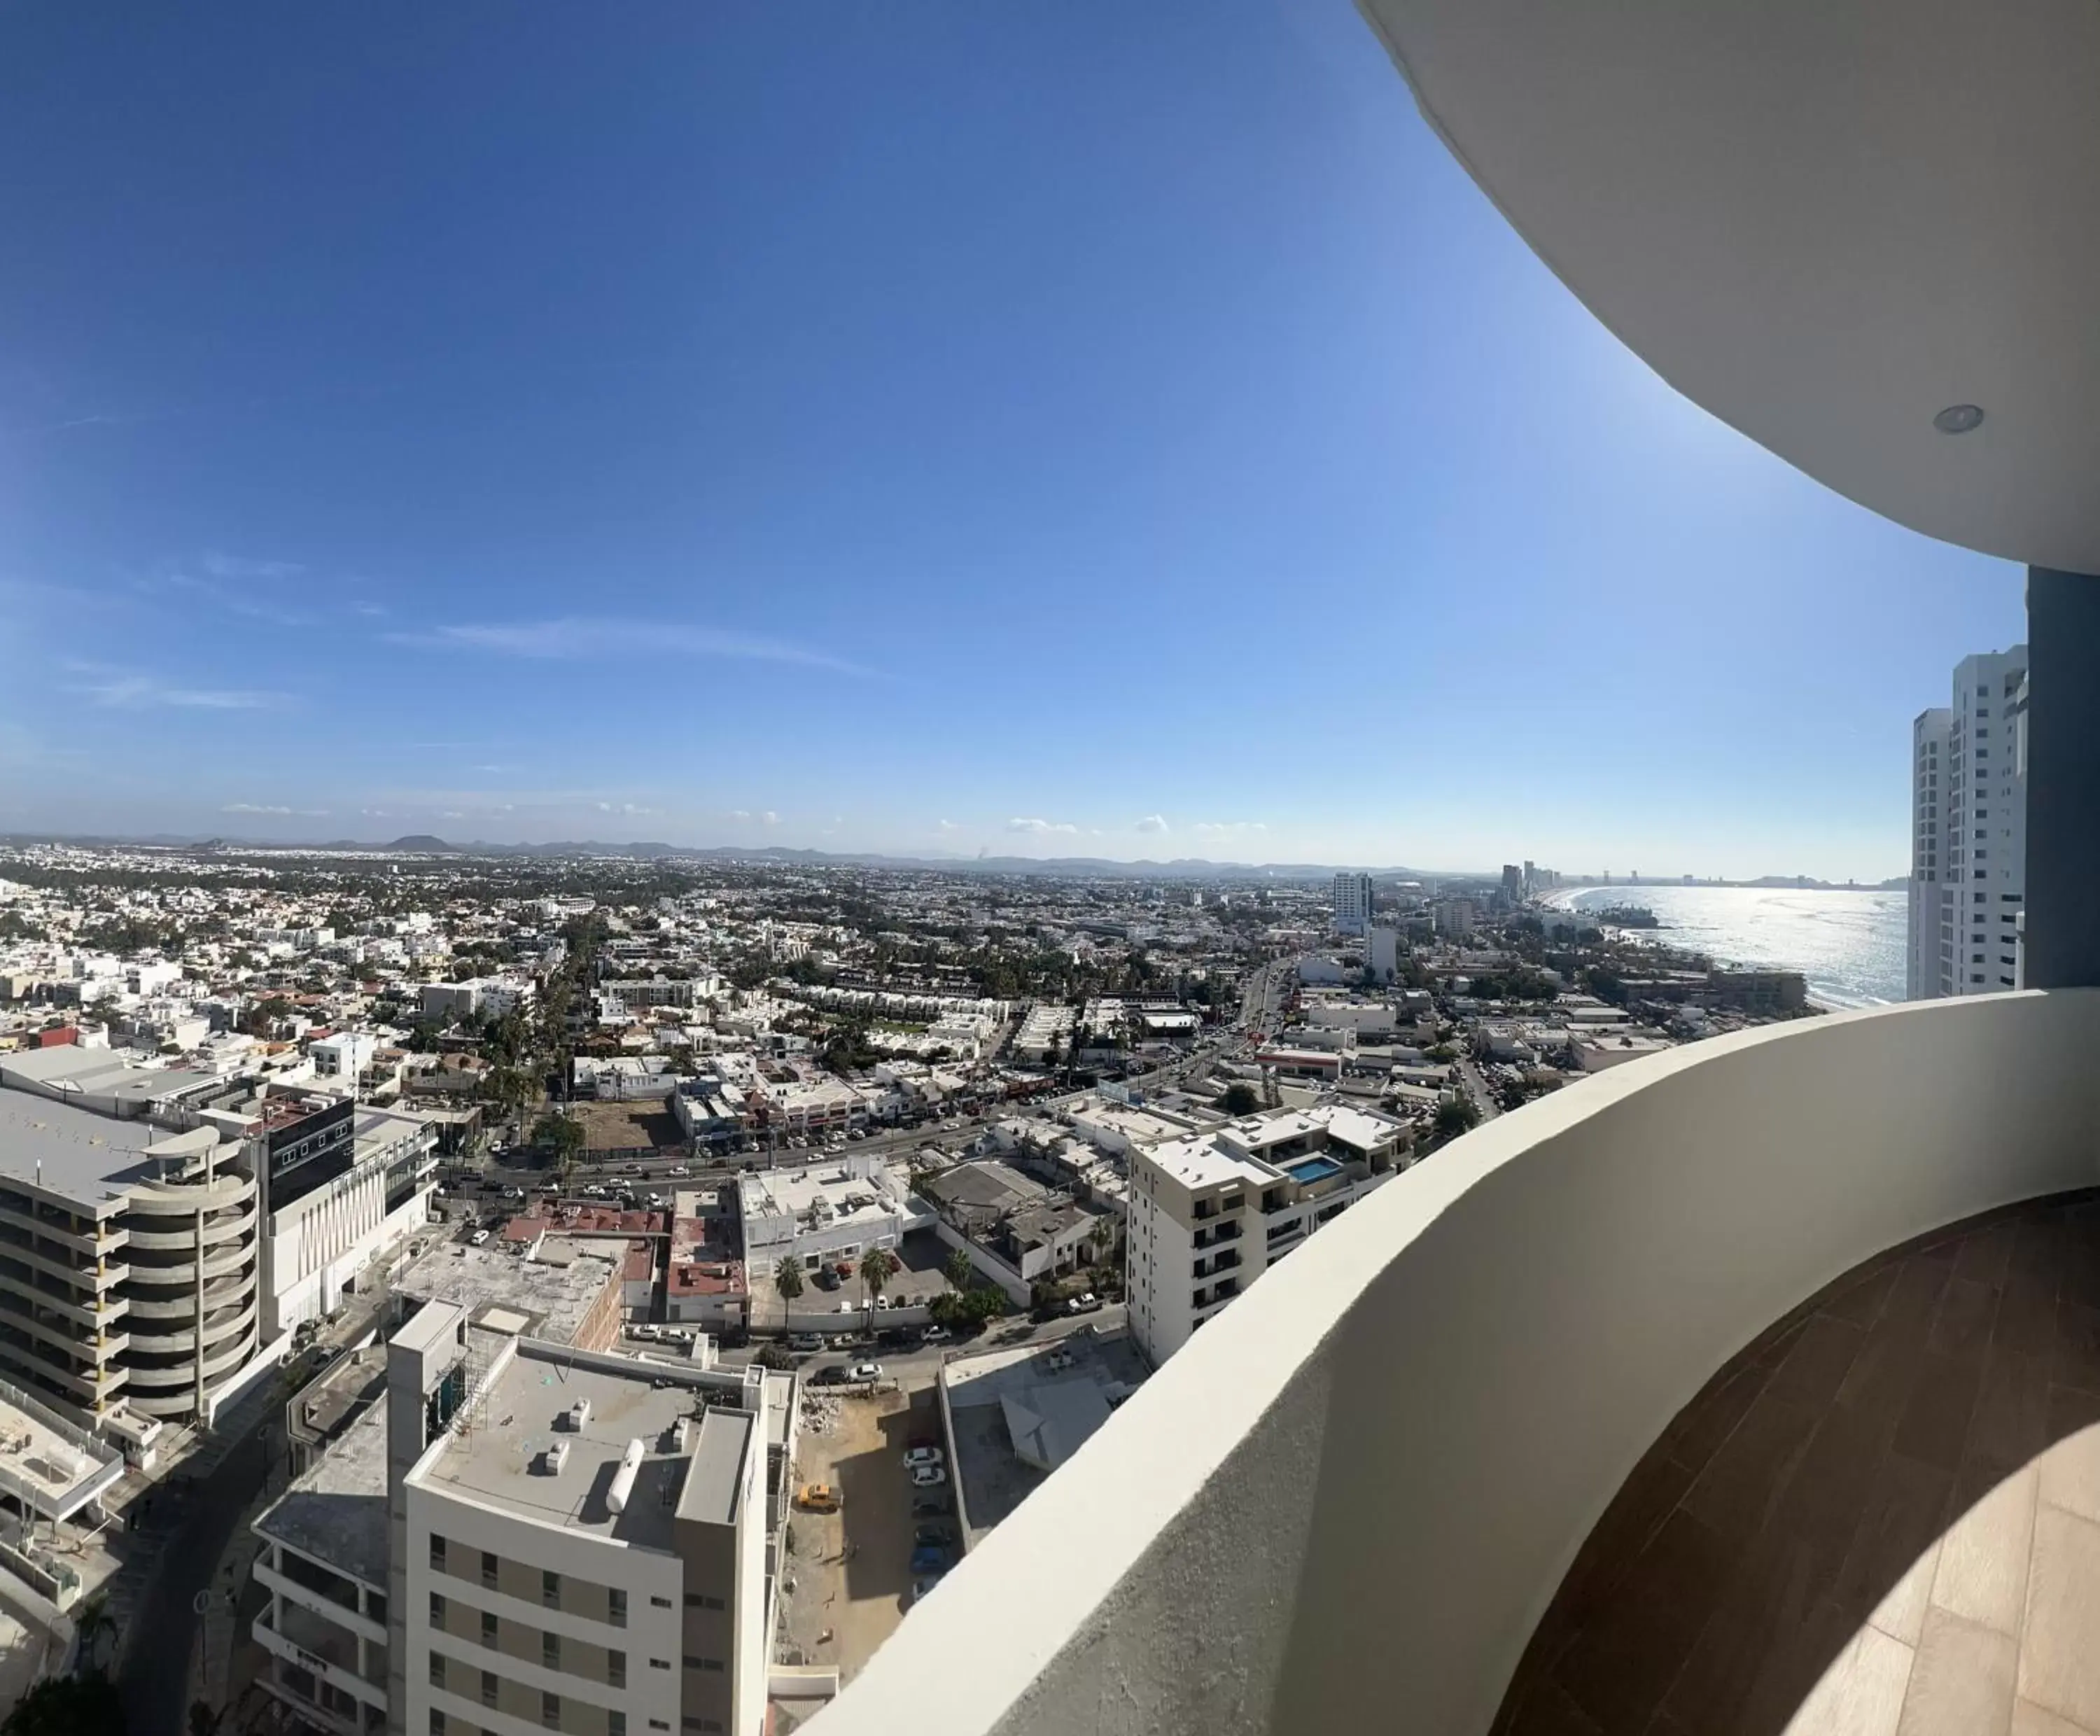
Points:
(824, 1212)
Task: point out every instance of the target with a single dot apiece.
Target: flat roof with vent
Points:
(496, 1453)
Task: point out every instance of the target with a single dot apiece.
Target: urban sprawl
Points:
(441, 1291)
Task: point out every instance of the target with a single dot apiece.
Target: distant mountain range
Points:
(1100, 868)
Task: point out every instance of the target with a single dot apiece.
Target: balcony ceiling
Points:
(1825, 221)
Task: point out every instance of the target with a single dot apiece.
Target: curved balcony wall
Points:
(1349, 1500)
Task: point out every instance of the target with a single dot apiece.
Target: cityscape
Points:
(1010, 875)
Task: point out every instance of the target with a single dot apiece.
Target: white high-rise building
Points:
(1352, 904)
(1928, 756)
(1969, 833)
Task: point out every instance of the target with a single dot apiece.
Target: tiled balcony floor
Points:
(1881, 1519)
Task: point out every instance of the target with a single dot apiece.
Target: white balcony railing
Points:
(1345, 1504)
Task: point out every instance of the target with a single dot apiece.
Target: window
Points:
(615, 1723)
(437, 1609)
(488, 1629)
(615, 1607)
(700, 1724)
(659, 1664)
(437, 1722)
(550, 1650)
(489, 1679)
(702, 1663)
(615, 1669)
(697, 1600)
(437, 1669)
(437, 1553)
(488, 1570)
(551, 1588)
(550, 1711)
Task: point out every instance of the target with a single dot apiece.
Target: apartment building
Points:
(1928, 762)
(523, 1535)
(1969, 833)
(1209, 1214)
(1352, 904)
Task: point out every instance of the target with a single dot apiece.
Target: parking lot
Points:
(851, 1570)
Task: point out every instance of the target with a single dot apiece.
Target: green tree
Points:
(958, 1270)
(788, 1278)
(878, 1266)
(1456, 1116)
(1242, 1098)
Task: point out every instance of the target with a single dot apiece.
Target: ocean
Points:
(1849, 945)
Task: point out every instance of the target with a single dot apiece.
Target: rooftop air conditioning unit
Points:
(556, 1457)
(578, 1414)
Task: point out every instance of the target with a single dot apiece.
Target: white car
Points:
(916, 1456)
(865, 1372)
(478, 1238)
(927, 1476)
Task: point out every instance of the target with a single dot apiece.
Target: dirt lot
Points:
(622, 1127)
(853, 1569)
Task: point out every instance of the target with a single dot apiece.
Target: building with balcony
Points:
(1968, 817)
(1753, 1385)
(1210, 1213)
(521, 1535)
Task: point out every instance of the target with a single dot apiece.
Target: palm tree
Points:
(878, 1266)
(958, 1270)
(788, 1279)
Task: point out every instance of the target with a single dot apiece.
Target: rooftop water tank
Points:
(623, 1479)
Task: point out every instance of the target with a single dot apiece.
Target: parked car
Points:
(805, 1341)
(817, 1497)
(927, 1476)
(478, 1238)
(933, 1334)
(929, 1505)
(920, 1587)
(935, 1535)
(865, 1372)
(1083, 1304)
(915, 1457)
(929, 1561)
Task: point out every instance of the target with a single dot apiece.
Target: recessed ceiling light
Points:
(1958, 418)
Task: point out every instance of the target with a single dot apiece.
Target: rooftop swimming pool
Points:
(1308, 1170)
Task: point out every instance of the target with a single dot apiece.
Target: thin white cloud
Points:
(739, 813)
(1153, 823)
(625, 807)
(574, 638)
(238, 567)
(768, 818)
(271, 807)
(1226, 828)
(949, 825)
(1041, 827)
(119, 690)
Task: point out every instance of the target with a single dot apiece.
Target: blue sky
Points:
(1082, 429)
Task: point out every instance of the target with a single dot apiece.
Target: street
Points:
(1484, 1099)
